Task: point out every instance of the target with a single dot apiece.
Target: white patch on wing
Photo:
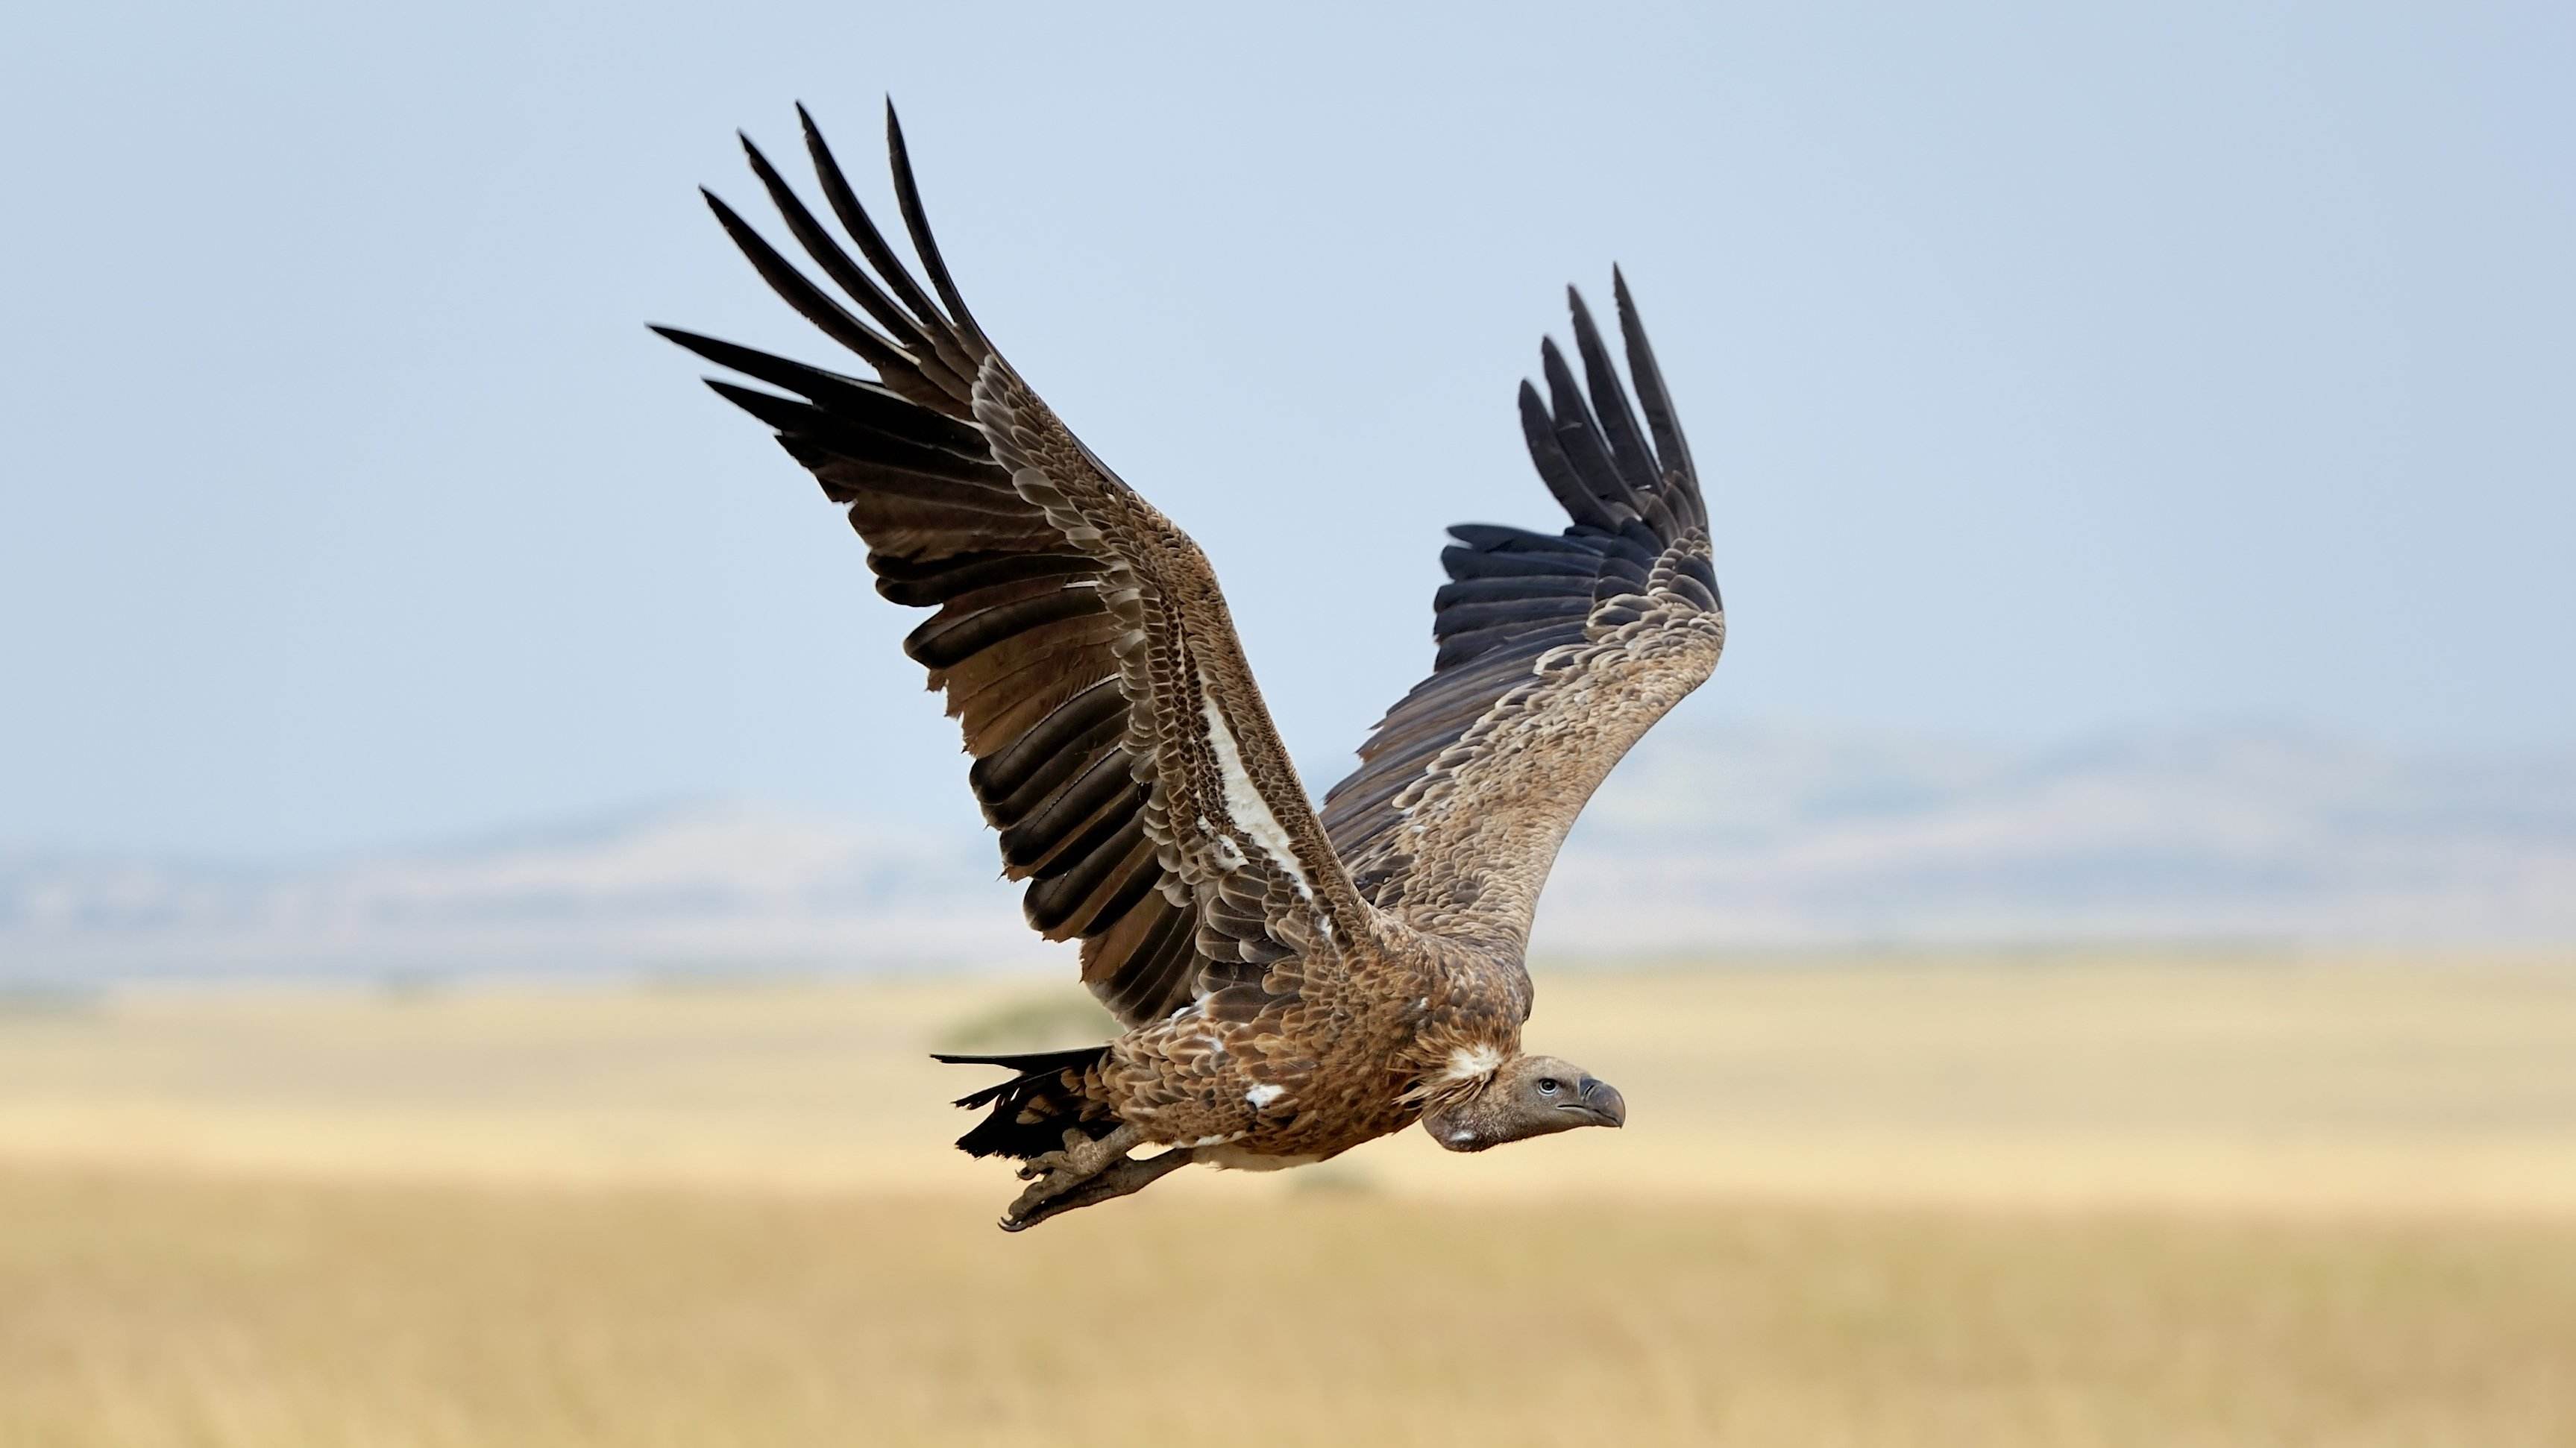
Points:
(1243, 801)
(1263, 1094)
(1467, 1063)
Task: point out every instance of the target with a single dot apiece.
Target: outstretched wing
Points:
(1557, 652)
(1120, 745)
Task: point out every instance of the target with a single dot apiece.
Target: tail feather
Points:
(1032, 1110)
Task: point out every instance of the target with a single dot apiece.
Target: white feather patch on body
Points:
(1469, 1063)
(1243, 801)
(1263, 1094)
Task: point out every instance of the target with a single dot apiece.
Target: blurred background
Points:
(478, 879)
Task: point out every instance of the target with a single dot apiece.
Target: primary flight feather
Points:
(1293, 983)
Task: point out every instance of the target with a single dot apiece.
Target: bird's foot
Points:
(1047, 1164)
(1116, 1180)
(1058, 1172)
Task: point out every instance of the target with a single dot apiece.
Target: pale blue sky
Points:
(2055, 369)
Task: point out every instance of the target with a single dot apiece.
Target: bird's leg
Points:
(1057, 1172)
(1117, 1180)
(1051, 1163)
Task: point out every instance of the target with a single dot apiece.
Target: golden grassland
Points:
(145, 1312)
(2221, 1083)
(2108, 1202)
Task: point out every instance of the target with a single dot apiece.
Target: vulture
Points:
(1293, 981)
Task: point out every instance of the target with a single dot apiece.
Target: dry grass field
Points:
(2047, 1203)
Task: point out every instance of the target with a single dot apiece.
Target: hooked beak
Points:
(1598, 1103)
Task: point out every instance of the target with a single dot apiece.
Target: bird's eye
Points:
(1549, 1086)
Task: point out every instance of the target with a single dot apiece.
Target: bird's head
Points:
(1526, 1096)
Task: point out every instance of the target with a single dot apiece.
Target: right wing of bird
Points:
(1121, 747)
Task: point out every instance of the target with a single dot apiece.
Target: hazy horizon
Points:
(1713, 840)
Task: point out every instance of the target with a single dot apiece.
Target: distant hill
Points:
(1746, 836)
(683, 890)
(1707, 838)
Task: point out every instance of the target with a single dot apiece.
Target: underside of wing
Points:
(1556, 653)
(1120, 748)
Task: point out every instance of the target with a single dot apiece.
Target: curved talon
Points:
(1028, 1202)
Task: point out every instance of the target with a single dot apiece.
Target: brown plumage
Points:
(1294, 983)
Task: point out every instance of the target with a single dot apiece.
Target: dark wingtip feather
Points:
(1670, 447)
(919, 350)
(810, 301)
(721, 353)
(728, 218)
(870, 403)
(844, 200)
(1579, 437)
(1629, 451)
(916, 220)
(1547, 454)
(782, 413)
(774, 370)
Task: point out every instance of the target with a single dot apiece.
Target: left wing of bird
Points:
(1556, 653)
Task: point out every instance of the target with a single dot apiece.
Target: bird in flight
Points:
(1293, 982)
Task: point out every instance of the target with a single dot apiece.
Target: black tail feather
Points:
(1032, 1111)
